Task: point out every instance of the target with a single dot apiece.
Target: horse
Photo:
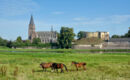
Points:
(56, 66)
(45, 65)
(78, 65)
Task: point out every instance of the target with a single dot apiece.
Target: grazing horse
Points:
(81, 64)
(56, 66)
(45, 65)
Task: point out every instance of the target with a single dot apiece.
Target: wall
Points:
(105, 45)
(87, 46)
(116, 45)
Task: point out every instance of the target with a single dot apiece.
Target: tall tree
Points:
(19, 39)
(128, 34)
(81, 34)
(65, 37)
(9, 44)
(3, 42)
(18, 42)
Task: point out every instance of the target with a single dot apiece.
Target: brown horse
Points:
(78, 65)
(45, 65)
(56, 66)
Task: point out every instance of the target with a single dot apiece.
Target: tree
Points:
(127, 34)
(27, 43)
(19, 39)
(9, 44)
(65, 37)
(3, 42)
(36, 41)
(18, 42)
(81, 34)
(115, 36)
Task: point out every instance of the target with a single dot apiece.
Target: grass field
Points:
(25, 66)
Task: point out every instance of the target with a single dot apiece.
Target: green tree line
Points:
(23, 43)
(126, 35)
(65, 38)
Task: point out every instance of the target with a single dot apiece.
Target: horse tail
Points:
(65, 67)
(84, 63)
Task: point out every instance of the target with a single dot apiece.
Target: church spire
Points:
(31, 30)
(31, 20)
(51, 28)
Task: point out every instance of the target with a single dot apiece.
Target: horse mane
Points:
(43, 63)
(75, 62)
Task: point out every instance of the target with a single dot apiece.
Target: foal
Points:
(77, 65)
(56, 66)
(45, 66)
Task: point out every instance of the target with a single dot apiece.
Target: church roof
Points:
(31, 20)
(46, 32)
(43, 31)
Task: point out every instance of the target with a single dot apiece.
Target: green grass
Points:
(107, 66)
(65, 50)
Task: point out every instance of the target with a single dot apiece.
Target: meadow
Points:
(24, 65)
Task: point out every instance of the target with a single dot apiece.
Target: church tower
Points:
(31, 30)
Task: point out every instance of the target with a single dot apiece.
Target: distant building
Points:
(101, 35)
(45, 36)
(119, 40)
(117, 43)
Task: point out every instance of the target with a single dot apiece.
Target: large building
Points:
(101, 35)
(45, 36)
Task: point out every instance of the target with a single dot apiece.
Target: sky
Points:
(82, 15)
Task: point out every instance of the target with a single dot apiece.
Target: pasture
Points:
(26, 65)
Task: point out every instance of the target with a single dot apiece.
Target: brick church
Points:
(45, 36)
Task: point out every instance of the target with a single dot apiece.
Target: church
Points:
(45, 36)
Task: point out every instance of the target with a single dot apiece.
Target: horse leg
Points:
(62, 70)
(57, 70)
(52, 69)
(84, 68)
(45, 69)
(77, 68)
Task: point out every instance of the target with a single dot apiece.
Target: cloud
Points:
(10, 29)
(115, 19)
(57, 13)
(79, 19)
(88, 22)
(17, 7)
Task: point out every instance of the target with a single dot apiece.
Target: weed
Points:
(3, 70)
(33, 71)
(16, 71)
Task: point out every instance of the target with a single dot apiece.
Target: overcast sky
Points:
(82, 15)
